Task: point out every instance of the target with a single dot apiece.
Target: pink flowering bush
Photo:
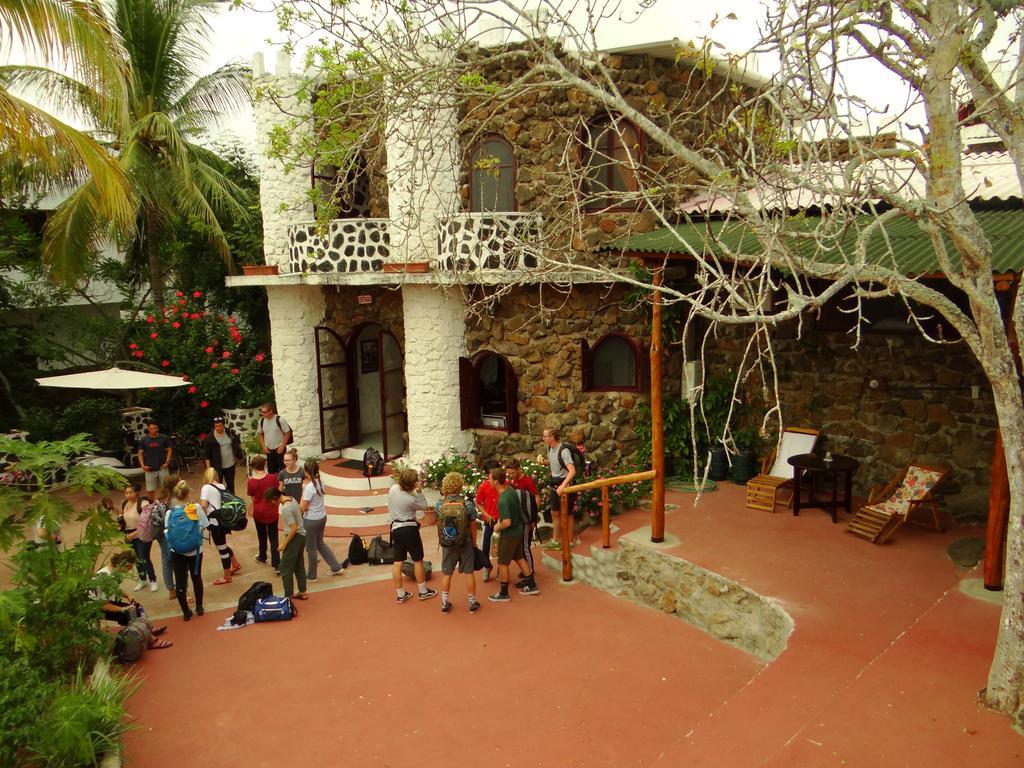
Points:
(190, 341)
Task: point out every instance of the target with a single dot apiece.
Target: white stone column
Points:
(295, 310)
(435, 337)
(284, 192)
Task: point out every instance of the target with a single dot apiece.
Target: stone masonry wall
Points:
(294, 312)
(344, 312)
(283, 191)
(922, 409)
(546, 357)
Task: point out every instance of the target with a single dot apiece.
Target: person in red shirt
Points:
(264, 514)
(523, 482)
(487, 502)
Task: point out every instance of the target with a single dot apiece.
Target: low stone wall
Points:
(724, 609)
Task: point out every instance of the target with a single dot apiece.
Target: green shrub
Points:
(25, 692)
(452, 460)
(82, 722)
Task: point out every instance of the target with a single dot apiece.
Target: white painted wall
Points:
(435, 337)
(295, 310)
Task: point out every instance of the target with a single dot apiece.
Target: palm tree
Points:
(38, 149)
(167, 107)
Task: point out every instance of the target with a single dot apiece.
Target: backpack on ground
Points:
(183, 533)
(452, 524)
(357, 551)
(379, 552)
(232, 511)
(583, 467)
(132, 641)
(157, 519)
(144, 528)
(528, 511)
(258, 590)
(409, 569)
(373, 462)
(274, 608)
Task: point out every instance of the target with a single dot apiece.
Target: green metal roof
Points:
(904, 245)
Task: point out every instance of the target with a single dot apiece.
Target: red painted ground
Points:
(882, 669)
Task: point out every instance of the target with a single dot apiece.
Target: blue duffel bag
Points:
(274, 608)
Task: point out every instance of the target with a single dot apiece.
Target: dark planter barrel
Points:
(719, 469)
(744, 467)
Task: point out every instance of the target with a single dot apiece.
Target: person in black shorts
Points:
(404, 499)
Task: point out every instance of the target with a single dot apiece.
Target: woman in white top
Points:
(209, 499)
(314, 520)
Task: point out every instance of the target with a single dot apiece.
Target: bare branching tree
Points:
(804, 175)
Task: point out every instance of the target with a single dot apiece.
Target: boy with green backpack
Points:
(456, 516)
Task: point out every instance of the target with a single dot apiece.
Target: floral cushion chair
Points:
(889, 506)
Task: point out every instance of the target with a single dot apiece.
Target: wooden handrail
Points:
(604, 484)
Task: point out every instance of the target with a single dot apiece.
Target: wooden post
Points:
(566, 544)
(606, 523)
(657, 435)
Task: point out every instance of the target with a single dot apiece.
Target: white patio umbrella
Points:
(112, 378)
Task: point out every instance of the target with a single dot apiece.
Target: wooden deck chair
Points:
(889, 506)
(776, 473)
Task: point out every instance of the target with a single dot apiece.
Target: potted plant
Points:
(744, 463)
(259, 269)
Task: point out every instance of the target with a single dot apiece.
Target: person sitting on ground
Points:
(404, 498)
(460, 554)
(510, 547)
(294, 544)
(120, 608)
(210, 496)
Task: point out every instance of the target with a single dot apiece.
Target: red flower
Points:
(137, 353)
(208, 350)
(150, 319)
(213, 365)
(175, 325)
(133, 346)
(152, 389)
(181, 303)
(196, 294)
(231, 321)
(179, 294)
(260, 357)
(203, 404)
(226, 355)
(235, 371)
(202, 436)
(194, 316)
(153, 335)
(192, 390)
(165, 363)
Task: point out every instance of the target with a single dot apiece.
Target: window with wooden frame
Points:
(611, 151)
(488, 393)
(615, 363)
(492, 176)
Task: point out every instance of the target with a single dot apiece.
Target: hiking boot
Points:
(474, 606)
(446, 607)
(529, 589)
(403, 598)
(498, 598)
(428, 594)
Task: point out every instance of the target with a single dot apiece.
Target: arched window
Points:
(492, 176)
(611, 150)
(614, 364)
(489, 393)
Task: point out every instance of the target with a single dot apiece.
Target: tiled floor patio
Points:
(882, 669)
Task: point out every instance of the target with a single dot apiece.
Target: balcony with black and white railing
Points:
(489, 243)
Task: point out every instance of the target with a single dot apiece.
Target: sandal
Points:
(157, 631)
(236, 569)
(160, 644)
(301, 596)
(222, 581)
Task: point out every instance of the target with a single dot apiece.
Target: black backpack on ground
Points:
(373, 462)
(357, 551)
(379, 552)
(259, 589)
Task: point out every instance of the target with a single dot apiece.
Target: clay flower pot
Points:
(259, 269)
